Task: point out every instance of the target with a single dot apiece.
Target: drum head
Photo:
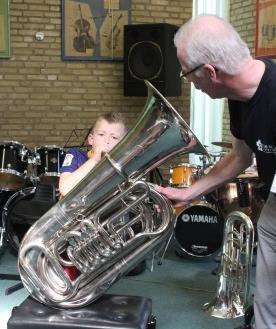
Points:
(199, 230)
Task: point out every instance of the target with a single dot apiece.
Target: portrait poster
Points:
(266, 28)
(94, 30)
(4, 29)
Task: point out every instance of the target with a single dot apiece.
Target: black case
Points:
(110, 311)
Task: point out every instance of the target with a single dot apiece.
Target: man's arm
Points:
(229, 167)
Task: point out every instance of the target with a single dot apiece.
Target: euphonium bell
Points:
(107, 223)
(233, 289)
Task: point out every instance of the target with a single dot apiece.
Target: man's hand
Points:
(178, 196)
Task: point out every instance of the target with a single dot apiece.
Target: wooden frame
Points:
(93, 30)
(265, 28)
(4, 29)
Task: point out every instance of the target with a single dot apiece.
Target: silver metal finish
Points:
(107, 223)
(233, 289)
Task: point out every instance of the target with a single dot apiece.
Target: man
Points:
(213, 57)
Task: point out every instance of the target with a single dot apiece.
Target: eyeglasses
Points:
(184, 75)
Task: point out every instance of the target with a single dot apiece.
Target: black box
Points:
(110, 311)
(150, 54)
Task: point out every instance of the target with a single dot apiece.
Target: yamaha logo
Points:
(199, 219)
(185, 218)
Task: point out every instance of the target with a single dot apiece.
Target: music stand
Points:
(78, 138)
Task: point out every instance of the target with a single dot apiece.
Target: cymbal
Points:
(223, 144)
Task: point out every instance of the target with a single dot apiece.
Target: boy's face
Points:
(106, 135)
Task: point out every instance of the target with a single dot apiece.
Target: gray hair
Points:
(208, 39)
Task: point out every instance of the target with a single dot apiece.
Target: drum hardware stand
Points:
(16, 286)
(165, 249)
(7, 276)
(204, 161)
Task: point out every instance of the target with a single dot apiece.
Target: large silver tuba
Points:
(234, 278)
(107, 223)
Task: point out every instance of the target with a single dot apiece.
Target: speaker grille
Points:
(145, 60)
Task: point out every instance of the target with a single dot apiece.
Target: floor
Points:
(178, 289)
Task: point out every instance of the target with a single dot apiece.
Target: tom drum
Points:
(49, 159)
(13, 165)
(184, 174)
(243, 194)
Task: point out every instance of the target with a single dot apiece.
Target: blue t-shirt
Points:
(74, 158)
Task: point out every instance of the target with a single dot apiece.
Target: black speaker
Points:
(150, 54)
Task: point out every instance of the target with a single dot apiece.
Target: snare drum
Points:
(49, 159)
(13, 165)
(199, 230)
(184, 175)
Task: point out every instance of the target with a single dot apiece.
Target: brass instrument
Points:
(234, 278)
(93, 229)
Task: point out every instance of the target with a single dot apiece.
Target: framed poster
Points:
(4, 29)
(94, 30)
(265, 28)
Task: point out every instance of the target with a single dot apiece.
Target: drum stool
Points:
(108, 312)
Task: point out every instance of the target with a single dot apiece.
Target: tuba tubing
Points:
(93, 229)
(233, 289)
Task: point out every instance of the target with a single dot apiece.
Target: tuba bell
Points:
(235, 268)
(108, 222)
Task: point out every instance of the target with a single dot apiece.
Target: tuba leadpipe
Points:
(233, 289)
(107, 223)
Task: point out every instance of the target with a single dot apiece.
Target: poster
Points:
(266, 28)
(94, 30)
(4, 29)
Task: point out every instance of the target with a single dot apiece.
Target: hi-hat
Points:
(223, 144)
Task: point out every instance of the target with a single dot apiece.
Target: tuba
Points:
(108, 222)
(235, 268)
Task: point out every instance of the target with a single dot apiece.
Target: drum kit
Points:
(21, 172)
(199, 226)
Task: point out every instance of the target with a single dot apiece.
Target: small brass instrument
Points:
(233, 289)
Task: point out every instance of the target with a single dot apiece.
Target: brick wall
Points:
(43, 98)
(243, 18)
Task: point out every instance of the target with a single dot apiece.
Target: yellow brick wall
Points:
(243, 18)
(43, 98)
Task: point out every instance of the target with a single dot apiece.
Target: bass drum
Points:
(199, 230)
(14, 227)
(20, 212)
